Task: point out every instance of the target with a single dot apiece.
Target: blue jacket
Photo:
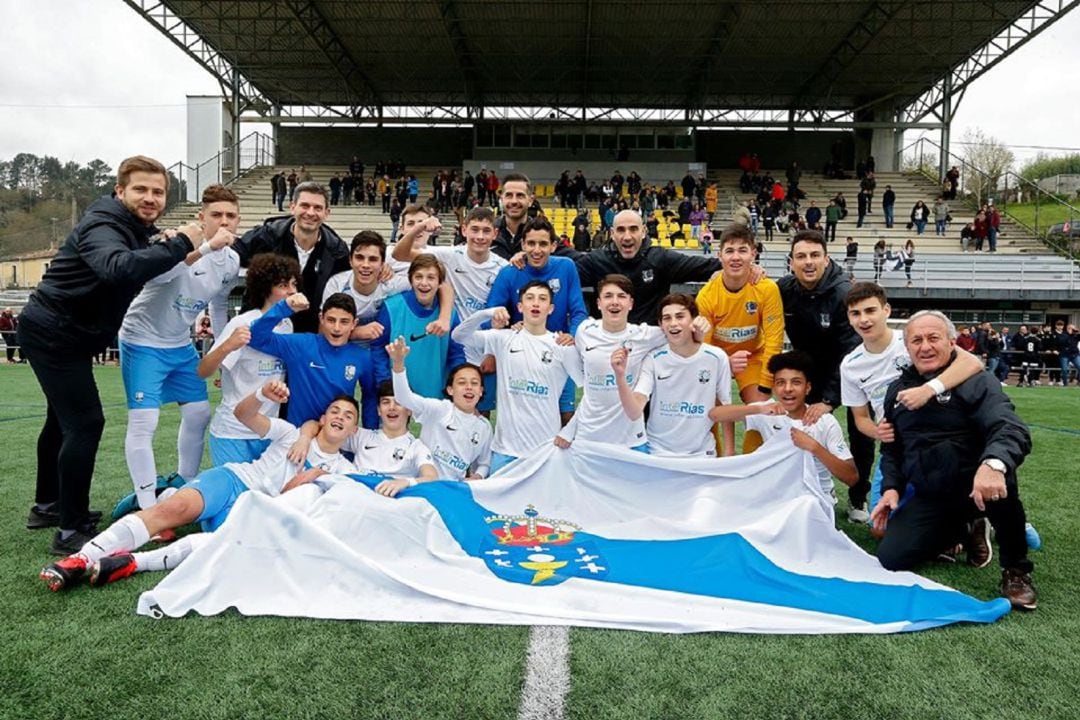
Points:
(430, 357)
(317, 371)
(561, 275)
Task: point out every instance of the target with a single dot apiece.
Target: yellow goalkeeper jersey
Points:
(751, 319)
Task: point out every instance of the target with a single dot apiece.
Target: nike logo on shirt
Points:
(663, 377)
(414, 338)
(512, 350)
(862, 380)
(317, 367)
(370, 447)
(590, 349)
(199, 272)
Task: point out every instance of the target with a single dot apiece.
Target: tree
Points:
(986, 160)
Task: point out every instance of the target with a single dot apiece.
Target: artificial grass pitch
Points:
(85, 654)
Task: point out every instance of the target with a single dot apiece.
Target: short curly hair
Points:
(266, 271)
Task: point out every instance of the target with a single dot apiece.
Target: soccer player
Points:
(865, 372)
(157, 358)
(471, 270)
(747, 319)
(208, 498)
(72, 315)
(689, 384)
(366, 283)
(600, 415)
(539, 241)
(390, 450)
(270, 278)
(416, 226)
(533, 369)
(324, 364)
(409, 314)
(823, 439)
(459, 438)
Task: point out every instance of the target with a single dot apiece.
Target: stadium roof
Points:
(693, 56)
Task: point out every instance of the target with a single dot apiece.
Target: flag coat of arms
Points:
(594, 536)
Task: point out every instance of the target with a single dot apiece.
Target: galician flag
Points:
(594, 536)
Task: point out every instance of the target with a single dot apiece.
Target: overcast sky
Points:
(91, 79)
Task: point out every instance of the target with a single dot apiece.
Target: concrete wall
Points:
(331, 145)
(776, 148)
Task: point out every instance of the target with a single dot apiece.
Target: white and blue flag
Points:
(596, 536)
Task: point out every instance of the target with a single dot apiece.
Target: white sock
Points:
(139, 451)
(194, 417)
(167, 493)
(127, 533)
(168, 557)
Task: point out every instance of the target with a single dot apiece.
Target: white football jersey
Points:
(376, 454)
(367, 306)
(243, 372)
(826, 431)
(865, 376)
(458, 441)
(532, 372)
(272, 470)
(683, 390)
(599, 416)
(471, 282)
(162, 314)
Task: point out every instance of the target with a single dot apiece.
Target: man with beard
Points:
(74, 312)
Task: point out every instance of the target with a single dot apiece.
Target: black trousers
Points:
(862, 451)
(68, 443)
(923, 527)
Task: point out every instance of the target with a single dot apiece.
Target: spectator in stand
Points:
(968, 236)
(777, 192)
(888, 206)
(879, 259)
(965, 340)
(864, 207)
(467, 185)
(832, 219)
(755, 215)
(305, 174)
(994, 364)
(993, 225)
(952, 182)
(481, 185)
(685, 207)
(941, 216)
(335, 189)
(273, 188)
(1050, 355)
(385, 190)
(697, 218)
(688, 185)
(1027, 344)
(582, 240)
(292, 179)
(768, 221)
(282, 191)
(348, 186)
(356, 167)
(851, 256)
(841, 202)
(868, 185)
(980, 230)
(1068, 347)
(813, 217)
(712, 195)
(919, 215)
(9, 324)
(907, 255)
(617, 183)
(493, 189)
(395, 219)
(741, 216)
(413, 189)
(794, 175)
(581, 186)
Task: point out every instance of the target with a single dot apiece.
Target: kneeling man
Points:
(959, 452)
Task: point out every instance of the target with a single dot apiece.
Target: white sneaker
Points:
(858, 514)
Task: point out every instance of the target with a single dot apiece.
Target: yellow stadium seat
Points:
(680, 243)
(692, 243)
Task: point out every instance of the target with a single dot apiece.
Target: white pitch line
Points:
(547, 673)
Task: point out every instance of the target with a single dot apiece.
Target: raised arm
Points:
(263, 336)
(247, 410)
(468, 332)
(238, 338)
(404, 250)
(964, 366)
(633, 402)
(115, 263)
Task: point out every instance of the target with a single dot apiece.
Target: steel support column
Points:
(946, 126)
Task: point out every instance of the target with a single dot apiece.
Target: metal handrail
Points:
(218, 168)
(1019, 182)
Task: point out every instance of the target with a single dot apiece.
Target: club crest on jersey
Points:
(139, 396)
(399, 453)
(555, 284)
(534, 550)
(350, 372)
(751, 307)
(490, 280)
(901, 362)
(944, 398)
(545, 357)
(475, 438)
(647, 275)
(826, 320)
(704, 376)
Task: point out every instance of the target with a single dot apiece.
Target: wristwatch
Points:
(995, 464)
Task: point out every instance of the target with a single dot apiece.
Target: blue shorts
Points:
(487, 403)
(499, 461)
(566, 400)
(157, 376)
(219, 487)
(875, 490)
(235, 450)
(642, 448)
